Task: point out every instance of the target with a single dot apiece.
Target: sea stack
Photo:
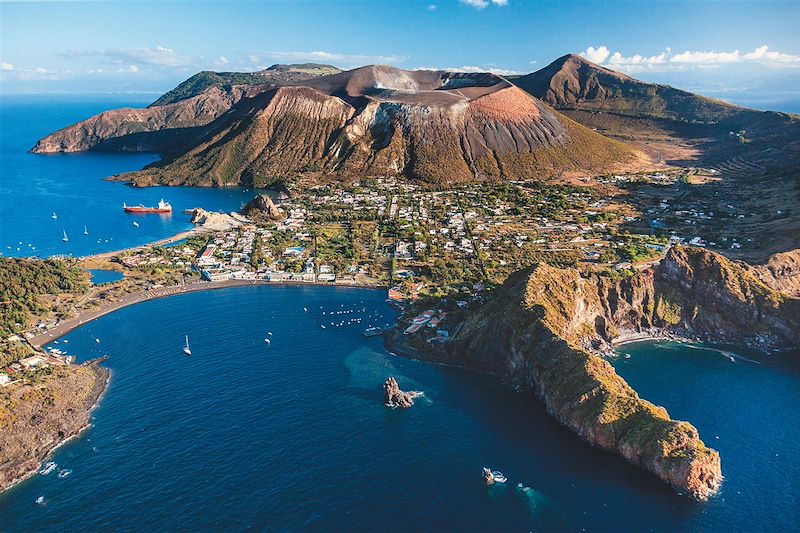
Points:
(394, 397)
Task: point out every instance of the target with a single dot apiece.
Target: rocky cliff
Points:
(438, 127)
(543, 328)
(262, 207)
(169, 123)
(782, 273)
(35, 418)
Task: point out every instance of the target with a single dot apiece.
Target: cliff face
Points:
(262, 207)
(168, 123)
(782, 273)
(153, 129)
(541, 329)
(36, 418)
(438, 127)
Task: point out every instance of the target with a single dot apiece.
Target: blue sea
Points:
(293, 435)
(72, 186)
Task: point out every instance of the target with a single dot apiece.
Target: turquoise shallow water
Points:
(294, 435)
(33, 187)
(99, 276)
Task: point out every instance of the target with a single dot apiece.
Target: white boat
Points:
(64, 473)
(269, 342)
(40, 500)
(53, 216)
(65, 239)
(48, 468)
(85, 231)
(493, 476)
(186, 349)
(135, 224)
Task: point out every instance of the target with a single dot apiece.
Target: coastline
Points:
(137, 297)
(96, 394)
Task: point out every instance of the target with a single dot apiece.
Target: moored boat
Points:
(373, 331)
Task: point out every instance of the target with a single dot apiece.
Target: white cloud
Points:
(158, 56)
(223, 60)
(636, 59)
(472, 68)
(596, 55)
(481, 4)
(706, 58)
(667, 61)
(6, 66)
(329, 57)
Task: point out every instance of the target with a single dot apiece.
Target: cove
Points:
(293, 435)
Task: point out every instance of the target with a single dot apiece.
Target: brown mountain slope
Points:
(165, 126)
(574, 82)
(439, 127)
(659, 115)
(152, 129)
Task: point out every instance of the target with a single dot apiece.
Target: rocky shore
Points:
(37, 418)
(545, 329)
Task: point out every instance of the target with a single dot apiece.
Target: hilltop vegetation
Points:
(24, 283)
(274, 74)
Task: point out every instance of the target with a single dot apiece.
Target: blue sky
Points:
(150, 47)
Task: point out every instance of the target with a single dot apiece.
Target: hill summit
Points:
(436, 126)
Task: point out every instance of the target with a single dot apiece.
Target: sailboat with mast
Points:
(65, 239)
(186, 349)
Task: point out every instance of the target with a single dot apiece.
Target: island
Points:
(524, 227)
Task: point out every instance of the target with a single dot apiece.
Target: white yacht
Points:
(186, 349)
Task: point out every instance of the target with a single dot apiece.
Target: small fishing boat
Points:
(186, 349)
(269, 342)
(65, 238)
(135, 224)
(64, 473)
(85, 231)
(53, 216)
(40, 500)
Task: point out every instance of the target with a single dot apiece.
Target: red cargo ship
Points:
(163, 207)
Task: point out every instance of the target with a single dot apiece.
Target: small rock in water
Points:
(394, 397)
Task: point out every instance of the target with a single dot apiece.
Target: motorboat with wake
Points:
(493, 476)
